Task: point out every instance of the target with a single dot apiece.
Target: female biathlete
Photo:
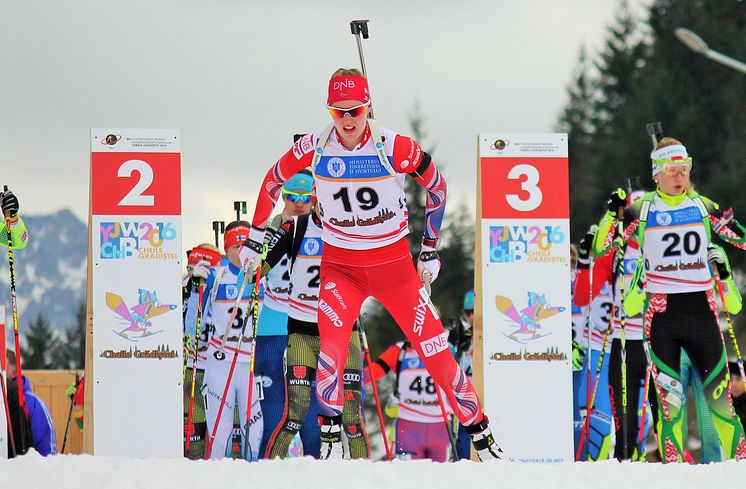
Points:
(360, 170)
(272, 334)
(674, 227)
(634, 358)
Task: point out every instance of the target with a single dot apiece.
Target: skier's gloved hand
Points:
(617, 200)
(586, 244)
(578, 356)
(201, 269)
(716, 255)
(9, 204)
(72, 389)
(428, 264)
(249, 251)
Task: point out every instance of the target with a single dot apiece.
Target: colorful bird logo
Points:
(138, 316)
(527, 319)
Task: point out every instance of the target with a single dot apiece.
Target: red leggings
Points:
(397, 286)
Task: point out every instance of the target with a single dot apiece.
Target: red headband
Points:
(234, 236)
(199, 253)
(348, 88)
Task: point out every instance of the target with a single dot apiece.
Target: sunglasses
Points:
(297, 197)
(355, 111)
(676, 170)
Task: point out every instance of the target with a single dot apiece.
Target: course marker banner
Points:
(523, 314)
(134, 252)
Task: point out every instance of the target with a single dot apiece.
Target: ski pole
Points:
(16, 337)
(359, 28)
(254, 327)
(587, 424)
(731, 333)
(218, 227)
(211, 440)
(373, 384)
(619, 271)
(589, 329)
(12, 453)
(641, 432)
(240, 207)
(69, 416)
(197, 332)
(446, 422)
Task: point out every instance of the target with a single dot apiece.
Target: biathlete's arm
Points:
(296, 159)
(278, 245)
(604, 242)
(601, 275)
(385, 363)
(410, 159)
(17, 232)
(725, 230)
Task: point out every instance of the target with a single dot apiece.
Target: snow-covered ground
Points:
(82, 471)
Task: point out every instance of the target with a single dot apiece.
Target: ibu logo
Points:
(336, 167)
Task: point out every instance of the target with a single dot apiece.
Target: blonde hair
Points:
(348, 72)
(664, 142)
(573, 256)
(208, 246)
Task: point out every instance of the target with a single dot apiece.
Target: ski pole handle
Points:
(359, 28)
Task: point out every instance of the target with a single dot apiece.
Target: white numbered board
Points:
(3, 378)
(525, 294)
(135, 241)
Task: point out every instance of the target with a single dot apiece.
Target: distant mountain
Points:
(50, 272)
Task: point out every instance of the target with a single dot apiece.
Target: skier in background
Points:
(39, 417)
(460, 338)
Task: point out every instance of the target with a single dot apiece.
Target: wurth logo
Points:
(434, 345)
(330, 313)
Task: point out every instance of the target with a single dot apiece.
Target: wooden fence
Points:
(51, 386)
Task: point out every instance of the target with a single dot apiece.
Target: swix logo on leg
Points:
(434, 345)
(330, 313)
(426, 297)
(420, 311)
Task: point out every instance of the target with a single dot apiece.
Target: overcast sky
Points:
(238, 78)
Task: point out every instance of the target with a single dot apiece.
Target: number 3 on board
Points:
(135, 196)
(529, 177)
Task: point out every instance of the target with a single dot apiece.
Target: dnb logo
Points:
(121, 240)
(527, 244)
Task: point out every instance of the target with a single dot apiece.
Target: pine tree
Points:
(40, 343)
(70, 353)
